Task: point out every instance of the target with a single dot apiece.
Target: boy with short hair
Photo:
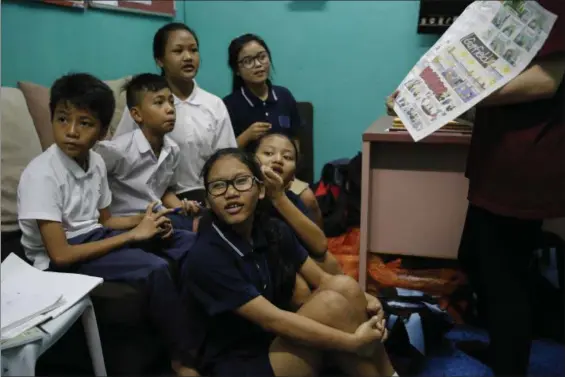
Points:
(141, 164)
(63, 200)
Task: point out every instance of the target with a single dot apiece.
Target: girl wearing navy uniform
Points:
(256, 105)
(238, 280)
(279, 153)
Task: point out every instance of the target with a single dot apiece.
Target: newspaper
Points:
(486, 47)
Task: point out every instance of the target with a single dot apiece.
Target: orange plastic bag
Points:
(441, 283)
(435, 282)
(345, 248)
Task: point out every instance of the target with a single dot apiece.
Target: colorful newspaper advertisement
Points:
(486, 47)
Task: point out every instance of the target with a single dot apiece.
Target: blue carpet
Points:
(546, 359)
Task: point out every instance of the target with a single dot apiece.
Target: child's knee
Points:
(347, 287)
(332, 303)
(331, 308)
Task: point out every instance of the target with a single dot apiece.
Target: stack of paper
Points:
(26, 337)
(31, 296)
(24, 303)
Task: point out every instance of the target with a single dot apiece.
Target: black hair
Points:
(257, 143)
(233, 54)
(85, 92)
(162, 36)
(283, 273)
(144, 82)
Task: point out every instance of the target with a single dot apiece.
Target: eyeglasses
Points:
(249, 61)
(241, 184)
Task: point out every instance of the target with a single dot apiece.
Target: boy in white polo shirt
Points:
(63, 200)
(142, 164)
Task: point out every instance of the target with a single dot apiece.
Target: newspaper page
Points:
(486, 47)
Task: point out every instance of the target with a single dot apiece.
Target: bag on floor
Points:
(416, 325)
(339, 195)
(448, 286)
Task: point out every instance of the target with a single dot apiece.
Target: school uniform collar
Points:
(143, 145)
(195, 98)
(225, 236)
(71, 165)
(253, 100)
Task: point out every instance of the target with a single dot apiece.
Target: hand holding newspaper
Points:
(489, 44)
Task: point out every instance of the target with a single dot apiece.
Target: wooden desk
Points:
(413, 195)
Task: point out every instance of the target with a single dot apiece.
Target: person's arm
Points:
(309, 199)
(313, 274)
(539, 81)
(296, 327)
(308, 232)
(119, 223)
(312, 236)
(243, 140)
(171, 200)
(62, 253)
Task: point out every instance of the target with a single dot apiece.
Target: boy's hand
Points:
(274, 184)
(168, 229)
(390, 103)
(189, 207)
(152, 224)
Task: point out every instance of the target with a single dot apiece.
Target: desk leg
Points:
(93, 341)
(365, 214)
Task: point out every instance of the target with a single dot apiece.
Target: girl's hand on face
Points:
(274, 183)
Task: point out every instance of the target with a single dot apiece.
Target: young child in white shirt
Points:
(63, 211)
(143, 164)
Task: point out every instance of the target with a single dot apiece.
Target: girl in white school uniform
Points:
(202, 122)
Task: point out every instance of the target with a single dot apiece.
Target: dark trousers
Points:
(496, 253)
(145, 265)
(181, 222)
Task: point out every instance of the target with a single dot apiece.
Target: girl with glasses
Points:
(238, 281)
(256, 106)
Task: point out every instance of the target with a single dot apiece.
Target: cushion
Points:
(37, 98)
(20, 144)
(120, 96)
